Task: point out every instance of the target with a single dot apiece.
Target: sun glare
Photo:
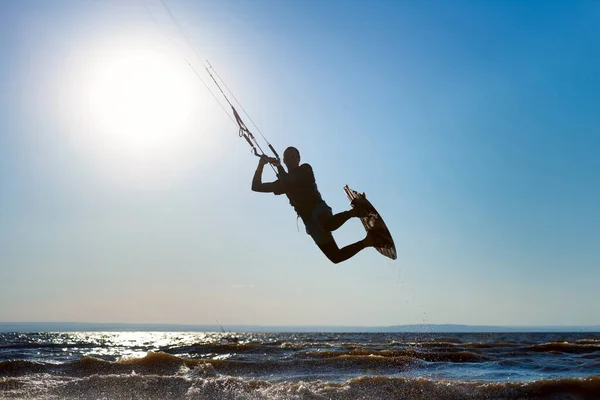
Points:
(141, 111)
(139, 101)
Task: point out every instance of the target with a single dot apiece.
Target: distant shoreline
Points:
(416, 328)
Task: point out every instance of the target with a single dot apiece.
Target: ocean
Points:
(196, 365)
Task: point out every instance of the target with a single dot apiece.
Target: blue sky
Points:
(472, 126)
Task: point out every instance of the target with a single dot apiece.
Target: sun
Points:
(140, 109)
(139, 100)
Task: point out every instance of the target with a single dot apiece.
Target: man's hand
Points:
(275, 162)
(263, 160)
(268, 160)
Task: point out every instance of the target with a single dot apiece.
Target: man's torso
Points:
(302, 191)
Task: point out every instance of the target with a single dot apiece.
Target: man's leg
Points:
(359, 209)
(335, 221)
(321, 226)
(337, 255)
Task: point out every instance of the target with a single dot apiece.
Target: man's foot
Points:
(360, 207)
(377, 238)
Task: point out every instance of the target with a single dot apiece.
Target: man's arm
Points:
(264, 187)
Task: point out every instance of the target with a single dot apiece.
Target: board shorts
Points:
(313, 226)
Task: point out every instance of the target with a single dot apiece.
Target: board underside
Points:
(374, 221)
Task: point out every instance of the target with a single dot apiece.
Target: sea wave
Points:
(565, 347)
(152, 387)
(167, 364)
(458, 356)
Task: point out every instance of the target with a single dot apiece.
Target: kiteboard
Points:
(373, 221)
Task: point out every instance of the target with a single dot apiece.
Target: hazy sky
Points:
(473, 126)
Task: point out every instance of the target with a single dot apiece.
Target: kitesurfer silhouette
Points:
(299, 185)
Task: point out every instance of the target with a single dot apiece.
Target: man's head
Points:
(291, 157)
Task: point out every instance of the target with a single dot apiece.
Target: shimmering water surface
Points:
(311, 366)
